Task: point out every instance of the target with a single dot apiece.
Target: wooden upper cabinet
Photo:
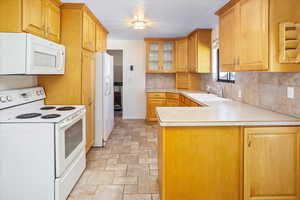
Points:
(271, 163)
(228, 39)
(181, 46)
(200, 51)
(101, 38)
(38, 17)
(153, 56)
(89, 32)
(160, 56)
(168, 56)
(52, 20)
(204, 51)
(250, 42)
(253, 50)
(34, 17)
(192, 52)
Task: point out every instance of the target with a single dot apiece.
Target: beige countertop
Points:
(175, 91)
(219, 112)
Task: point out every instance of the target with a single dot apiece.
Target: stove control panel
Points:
(9, 98)
(4, 99)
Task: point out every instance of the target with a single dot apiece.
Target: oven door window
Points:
(73, 137)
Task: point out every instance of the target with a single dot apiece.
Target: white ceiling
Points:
(170, 18)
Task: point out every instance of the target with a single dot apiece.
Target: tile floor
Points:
(125, 169)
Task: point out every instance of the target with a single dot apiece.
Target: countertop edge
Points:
(218, 123)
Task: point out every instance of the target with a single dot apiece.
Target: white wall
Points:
(134, 100)
(13, 82)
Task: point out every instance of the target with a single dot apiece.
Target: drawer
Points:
(172, 96)
(156, 95)
(172, 103)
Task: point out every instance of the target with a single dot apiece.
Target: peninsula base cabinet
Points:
(271, 160)
(229, 163)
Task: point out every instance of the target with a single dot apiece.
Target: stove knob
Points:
(3, 99)
(9, 98)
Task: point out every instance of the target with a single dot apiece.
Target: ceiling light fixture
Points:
(139, 23)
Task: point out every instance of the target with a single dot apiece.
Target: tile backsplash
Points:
(13, 82)
(160, 81)
(262, 89)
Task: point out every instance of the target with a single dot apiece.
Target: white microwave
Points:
(23, 53)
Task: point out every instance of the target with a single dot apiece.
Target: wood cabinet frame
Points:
(258, 47)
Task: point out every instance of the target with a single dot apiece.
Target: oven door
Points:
(44, 57)
(70, 137)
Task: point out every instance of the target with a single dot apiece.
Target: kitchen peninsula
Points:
(227, 150)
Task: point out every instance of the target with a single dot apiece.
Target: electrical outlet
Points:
(290, 93)
(240, 93)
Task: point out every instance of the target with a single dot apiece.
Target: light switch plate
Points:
(290, 93)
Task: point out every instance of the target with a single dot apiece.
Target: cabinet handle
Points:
(238, 61)
(249, 141)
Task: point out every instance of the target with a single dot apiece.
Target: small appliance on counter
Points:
(27, 54)
(42, 148)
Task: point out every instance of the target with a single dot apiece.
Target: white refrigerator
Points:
(104, 99)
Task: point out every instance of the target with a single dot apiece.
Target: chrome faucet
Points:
(217, 90)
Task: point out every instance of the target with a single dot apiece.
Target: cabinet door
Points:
(271, 163)
(181, 55)
(104, 40)
(33, 17)
(153, 56)
(228, 39)
(168, 57)
(253, 35)
(52, 21)
(88, 86)
(151, 106)
(99, 38)
(193, 52)
(89, 32)
(172, 103)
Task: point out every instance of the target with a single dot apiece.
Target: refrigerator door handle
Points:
(107, 87)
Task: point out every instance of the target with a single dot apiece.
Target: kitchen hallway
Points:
(125, 169)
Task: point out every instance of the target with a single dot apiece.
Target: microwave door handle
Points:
(61, 60)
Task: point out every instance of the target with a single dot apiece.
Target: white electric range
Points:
(42, 148)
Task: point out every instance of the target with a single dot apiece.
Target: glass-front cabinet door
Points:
(153, 54)
(160, 56)
(168, 58)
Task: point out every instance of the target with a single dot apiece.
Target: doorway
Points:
(118, 81)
